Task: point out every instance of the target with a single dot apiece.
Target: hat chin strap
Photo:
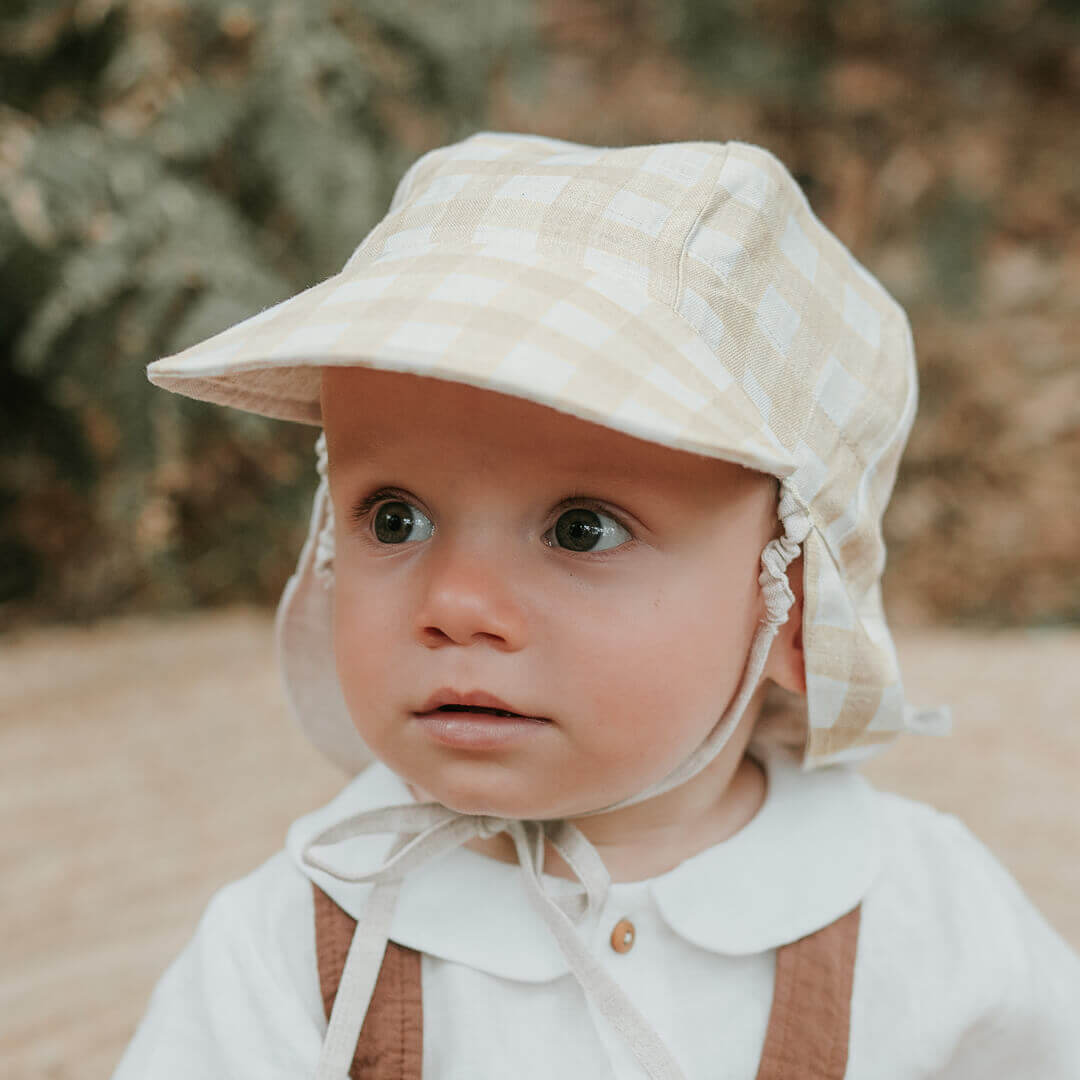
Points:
(424, 831)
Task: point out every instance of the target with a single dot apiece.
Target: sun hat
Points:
(682, 293)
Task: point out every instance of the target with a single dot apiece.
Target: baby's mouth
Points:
(482, 709)
(476, 703)
(476, 722)
(483, 714)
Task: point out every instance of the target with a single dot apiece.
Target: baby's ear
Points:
(786, 664)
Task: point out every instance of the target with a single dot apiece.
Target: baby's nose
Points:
(469, 598)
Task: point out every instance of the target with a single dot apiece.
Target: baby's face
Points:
(601, 586)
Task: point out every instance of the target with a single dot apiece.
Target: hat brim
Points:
(594, 345)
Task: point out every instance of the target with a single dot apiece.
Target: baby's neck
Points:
(654, 850)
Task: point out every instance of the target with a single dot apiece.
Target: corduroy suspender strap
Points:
(807, 1037)
(391, 1043)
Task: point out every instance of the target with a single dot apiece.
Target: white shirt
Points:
(957, 975)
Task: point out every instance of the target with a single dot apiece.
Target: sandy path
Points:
(146, 763)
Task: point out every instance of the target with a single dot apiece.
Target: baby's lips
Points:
(479, 699)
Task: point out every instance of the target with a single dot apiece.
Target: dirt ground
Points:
(145, 763)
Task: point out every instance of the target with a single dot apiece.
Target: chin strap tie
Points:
(427, 830)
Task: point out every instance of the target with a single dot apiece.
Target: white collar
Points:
(808, 856)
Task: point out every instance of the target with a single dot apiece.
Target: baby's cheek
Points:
(358, 658)
(659, 695)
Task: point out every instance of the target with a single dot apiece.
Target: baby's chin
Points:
(485, 802)
(485, 806)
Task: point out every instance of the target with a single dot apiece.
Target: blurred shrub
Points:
(169, 168)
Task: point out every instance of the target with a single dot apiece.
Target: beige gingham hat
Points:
(683, 293)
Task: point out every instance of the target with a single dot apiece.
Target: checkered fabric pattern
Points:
(682, 293)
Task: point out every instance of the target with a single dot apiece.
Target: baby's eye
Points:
(581, 529)
(397, 521)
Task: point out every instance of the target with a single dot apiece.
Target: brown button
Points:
(622, 937)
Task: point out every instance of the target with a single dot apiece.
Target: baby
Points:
(608, 437)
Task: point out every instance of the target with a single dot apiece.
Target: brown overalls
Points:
(807, 1037)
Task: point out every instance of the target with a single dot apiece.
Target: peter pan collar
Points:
(808, 856)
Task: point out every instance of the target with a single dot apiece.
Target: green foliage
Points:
(736, 50)
(167, 170)
(954, 230)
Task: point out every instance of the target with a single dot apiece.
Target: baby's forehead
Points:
(379, 417)
(474, 465)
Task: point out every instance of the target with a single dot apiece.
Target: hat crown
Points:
(624, 211)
